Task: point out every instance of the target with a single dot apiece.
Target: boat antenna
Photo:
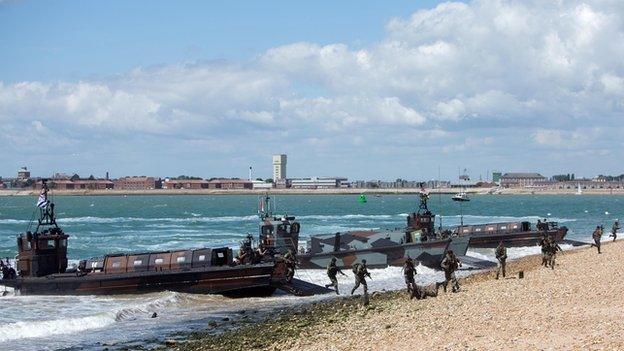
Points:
(439, 198)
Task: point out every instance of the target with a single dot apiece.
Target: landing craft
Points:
(42, 264)
(386, 247)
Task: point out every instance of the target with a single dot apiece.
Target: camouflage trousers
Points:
(597, 244)
(411, 284)
(501, 268)
(290, 273)
(544, 259)
(449, 276)
(550, 260)
(614, 235)
(359, 281)
(334, 283)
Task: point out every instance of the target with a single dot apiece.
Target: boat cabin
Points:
(278, 234)
(41, 254)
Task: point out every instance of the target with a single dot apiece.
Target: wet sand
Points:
(578, 305)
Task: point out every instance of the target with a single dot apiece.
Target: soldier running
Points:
(614, 229)
(597, 235)
(501, 256)
(360, 271)
(291, 263)
(408, 272)
(450, 264)
(332, 271)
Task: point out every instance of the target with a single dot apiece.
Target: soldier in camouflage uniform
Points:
(450, 264)
(360, 271)
(597, 235)
(332, 271)
(614, 229)
(291, 264)
(544, 244)
(408, 272)
(501, 256)
(553, 247)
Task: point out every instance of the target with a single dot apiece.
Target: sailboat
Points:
(462, 195)
(579, 191)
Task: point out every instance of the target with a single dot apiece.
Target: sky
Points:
(365, 90)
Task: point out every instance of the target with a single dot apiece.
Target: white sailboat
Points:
(579, 191)
(462, 195)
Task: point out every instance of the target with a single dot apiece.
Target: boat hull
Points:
(427, 253)
(251, 280)
(515, 239)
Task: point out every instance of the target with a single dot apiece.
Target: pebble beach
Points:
(578, 305)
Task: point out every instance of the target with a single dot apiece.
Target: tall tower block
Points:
(279, 167)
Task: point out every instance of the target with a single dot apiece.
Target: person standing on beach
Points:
(332, 271)
(501, 256)
(360, 271)
(450, 264)
(614, 229)
(408, 272)
(597, 235)
(553, 247)
(544, 244)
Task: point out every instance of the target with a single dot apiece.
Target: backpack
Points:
(356, 268)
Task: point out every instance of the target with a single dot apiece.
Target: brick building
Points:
(185, 184)
(138, 183)
(520, 180)
(224, 183)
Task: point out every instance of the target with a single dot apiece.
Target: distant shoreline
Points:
(339, 191)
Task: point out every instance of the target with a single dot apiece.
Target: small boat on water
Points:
(43, 267)
(461, 196)
(382, 248)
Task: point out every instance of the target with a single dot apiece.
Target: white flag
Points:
(43, 198)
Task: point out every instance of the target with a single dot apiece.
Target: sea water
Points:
(103, 224)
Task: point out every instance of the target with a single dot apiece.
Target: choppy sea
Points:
(103, 224)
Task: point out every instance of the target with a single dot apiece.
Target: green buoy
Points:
(362, 199)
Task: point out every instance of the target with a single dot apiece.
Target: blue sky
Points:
(358, 89)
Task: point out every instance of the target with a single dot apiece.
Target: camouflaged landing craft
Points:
(387, 247)
(43, 270)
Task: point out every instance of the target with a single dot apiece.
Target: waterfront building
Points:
(23, 174)
(79, 184)
(185, 184)
(318, 183)
(279, 167)
(138, 183)
(225, 183)
(520, 180)
(258, 184)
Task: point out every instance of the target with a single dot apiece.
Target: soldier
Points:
(245, 253)
(597, 235)
(544, 244)
(332, 271)
(360, 271)
(553, 247)
(408, 272)
(539, 225)
(450, 264)
(291, 264)
(614, 229)
(501, 256)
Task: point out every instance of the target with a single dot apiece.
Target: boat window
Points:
(202, 257)
(159, 261)
(466, 230)
(47, 244)
(116, 264)
(515, 226)
(94, 264)
(503, 227)
(220, 254)
(267, 229)
(138, 262)
(63, 243)
(478, 230)
(181, 259)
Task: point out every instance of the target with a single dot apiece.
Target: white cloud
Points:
(547, 68)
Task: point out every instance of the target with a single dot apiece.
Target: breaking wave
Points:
(61, 326)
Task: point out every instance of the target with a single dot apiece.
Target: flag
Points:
(43, 198)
